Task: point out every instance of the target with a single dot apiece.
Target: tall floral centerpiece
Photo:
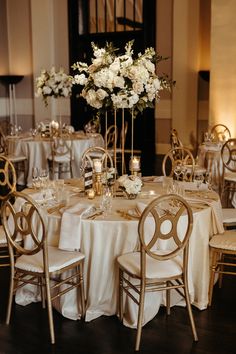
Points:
(121, 81)
(53, 83)
(115, 81)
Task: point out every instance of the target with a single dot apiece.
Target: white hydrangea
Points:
(125, 82)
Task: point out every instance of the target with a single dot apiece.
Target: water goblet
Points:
(177, 171)
(208, 180)
(35, 177)
(199, 178)
(106, 203)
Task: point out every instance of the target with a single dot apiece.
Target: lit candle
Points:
(54, 125)
(97, 164)
(91, 193)
(135, 164)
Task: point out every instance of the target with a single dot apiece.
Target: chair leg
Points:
(10, 299)
(190, 313)
(140, 316)
(212, 275)
(120, 295)
(168, 299)
(221, 270)
(49, 306)
(82, 296)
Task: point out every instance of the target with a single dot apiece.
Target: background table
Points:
(37, 150)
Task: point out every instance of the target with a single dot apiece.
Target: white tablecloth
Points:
(103, 239)
(37, 150)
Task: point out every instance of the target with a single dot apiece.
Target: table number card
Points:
(88, 178)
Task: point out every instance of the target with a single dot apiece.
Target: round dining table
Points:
(78, 224)
(38, 149)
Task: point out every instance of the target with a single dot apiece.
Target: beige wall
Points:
(223, 67)
(36, 35)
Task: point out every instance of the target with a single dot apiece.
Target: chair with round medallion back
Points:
(7, 187)
(55, 271)
(161, 263)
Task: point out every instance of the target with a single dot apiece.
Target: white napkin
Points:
(70, 233)
(216, 212)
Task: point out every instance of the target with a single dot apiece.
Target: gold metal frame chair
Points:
(7, 186)
(179, 156)
(220, 132)
(111, 136)
(223, 252)
(19, 162)
(60, 161)
(38, 263)
(95, 152)
(156, 267)
(228, 155)
(174, 139)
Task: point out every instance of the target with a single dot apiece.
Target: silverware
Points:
(55, 208)
(93, 216)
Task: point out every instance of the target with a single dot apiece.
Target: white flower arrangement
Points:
(53, 83)
(120, 81)
(131, 184)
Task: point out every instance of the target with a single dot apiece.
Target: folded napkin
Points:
(216, 212)
(70, 233)
(192, 186)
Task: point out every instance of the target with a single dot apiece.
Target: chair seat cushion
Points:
(3, 239)
(230, 176)
(61, 159)
(154, 269)
(15, 159)
(229, 215)
(57, 260)
(225, 241)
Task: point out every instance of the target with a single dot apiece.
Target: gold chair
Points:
(60, 160)
(228, 155)
(55, 271)
(174, 139)
(223, 252)
(111, 136)
(19, 161)
(161, 264)
(229, 217)
(97, 152)
(220, 132)
(7, 186)
(179, 157)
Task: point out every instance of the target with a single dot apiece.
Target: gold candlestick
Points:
(98, 183)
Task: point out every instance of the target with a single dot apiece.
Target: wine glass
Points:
(35, 177)
(177, 171)
(208, 180)
(199, 178)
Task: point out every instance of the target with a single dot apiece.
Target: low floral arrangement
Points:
(53, 83)
(120, 81)
(130, 184)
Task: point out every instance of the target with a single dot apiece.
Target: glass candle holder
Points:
(134, 164)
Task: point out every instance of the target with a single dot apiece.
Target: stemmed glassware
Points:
(35, 177)
(199, 178)
(178, 171)
(208, 180)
